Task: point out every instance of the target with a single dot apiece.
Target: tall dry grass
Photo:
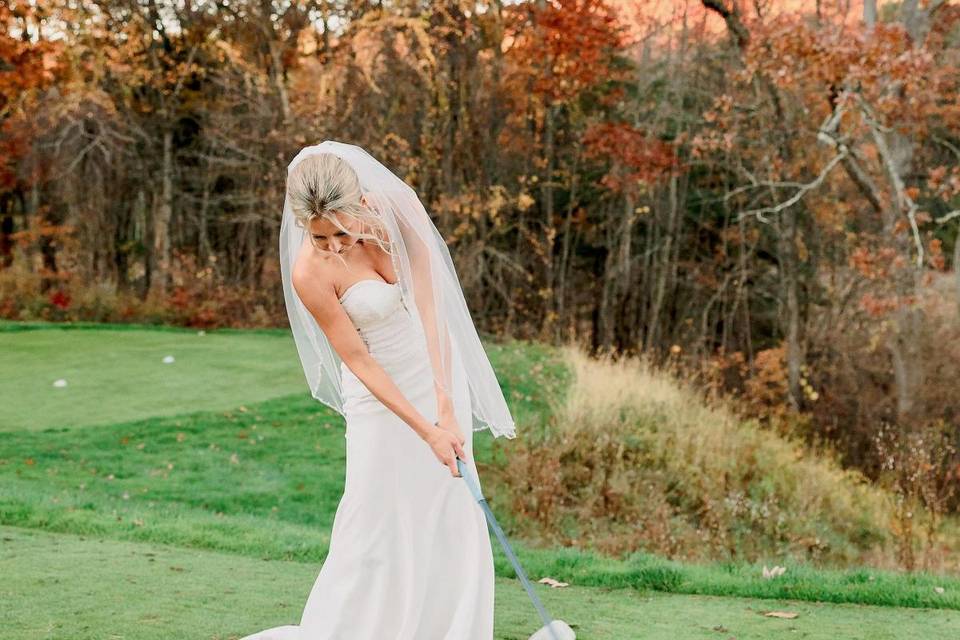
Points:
(635, 459)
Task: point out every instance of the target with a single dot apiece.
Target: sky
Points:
(663, 18)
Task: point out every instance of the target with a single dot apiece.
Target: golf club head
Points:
(561, 631)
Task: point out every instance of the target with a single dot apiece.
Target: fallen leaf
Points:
(553, 583)
(773, 573)
(786, 615)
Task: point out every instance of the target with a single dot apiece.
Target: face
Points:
(328, 237)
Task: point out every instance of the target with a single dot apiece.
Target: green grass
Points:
(72, 587)
(117, 375)
(252, 489)
(264, 482)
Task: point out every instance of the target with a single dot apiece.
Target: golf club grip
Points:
(470, 478)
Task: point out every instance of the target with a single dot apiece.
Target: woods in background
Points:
(765, 193)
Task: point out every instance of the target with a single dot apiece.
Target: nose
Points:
(334, 245)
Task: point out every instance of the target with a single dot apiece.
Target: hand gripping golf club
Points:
(552, 629)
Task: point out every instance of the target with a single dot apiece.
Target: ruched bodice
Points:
(371, 302)
(393, 337)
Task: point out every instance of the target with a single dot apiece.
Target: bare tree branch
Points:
(802, 191)
(904, 201)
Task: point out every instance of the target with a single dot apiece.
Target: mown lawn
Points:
(233, 487)
(119, 374)
(116, 373)
(90, 588)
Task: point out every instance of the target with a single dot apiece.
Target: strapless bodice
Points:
(371, 303)
(392, 334)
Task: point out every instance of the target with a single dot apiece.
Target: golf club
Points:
(552, 629)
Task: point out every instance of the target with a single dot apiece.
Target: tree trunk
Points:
(661, 265)
(623, 281)
(870, 13)
(163, 213)
(546, 192)
(789, 264)
(566, 245)
(7, 228)
(956, 267)
(279, 79)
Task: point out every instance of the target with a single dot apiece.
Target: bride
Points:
(385, 339)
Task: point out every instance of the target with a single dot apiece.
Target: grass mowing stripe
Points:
(119, 374)
(253, 537)
(275, 473)
(115, 376)
(105, 588)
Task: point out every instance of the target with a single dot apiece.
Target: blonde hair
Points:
(322, 185)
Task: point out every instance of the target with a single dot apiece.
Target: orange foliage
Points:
(636, 156)
(565, 46)
(26, 67)
(797, 74)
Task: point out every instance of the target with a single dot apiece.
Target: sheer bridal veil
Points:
(427, 278)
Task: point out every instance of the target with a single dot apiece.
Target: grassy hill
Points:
(631, 459)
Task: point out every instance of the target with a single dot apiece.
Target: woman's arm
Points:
(437, 338)
(419, 261)
(323, 304)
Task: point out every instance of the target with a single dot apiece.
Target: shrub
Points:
(634, 460)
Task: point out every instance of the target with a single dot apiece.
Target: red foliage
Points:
(60, 299)
(564, 48)
(180, 298)
(876, 306)
(874, 265)
(635, 156)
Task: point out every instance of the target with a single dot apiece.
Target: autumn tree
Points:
(838, 139)
(29, 67)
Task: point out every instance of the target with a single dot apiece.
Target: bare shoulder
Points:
(312, 276)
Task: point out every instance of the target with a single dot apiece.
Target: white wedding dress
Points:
(410, 557)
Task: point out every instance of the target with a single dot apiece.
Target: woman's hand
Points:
(446, 446)
(448, 422)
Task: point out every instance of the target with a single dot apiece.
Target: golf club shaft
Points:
(474, 486)
(492, 521)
